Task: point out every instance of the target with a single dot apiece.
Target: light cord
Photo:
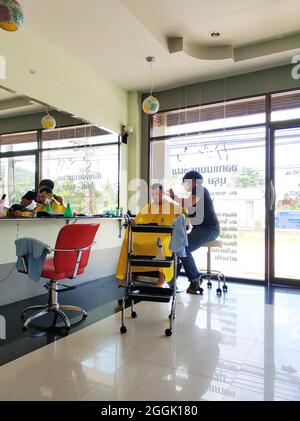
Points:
(151, 73)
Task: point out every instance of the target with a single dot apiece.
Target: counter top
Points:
(61, 218)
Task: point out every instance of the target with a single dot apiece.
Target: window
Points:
(76, 136)
(285, 106)
(18, 158)
(226, 144)
(87, 177)
(209, 117)
(83, 162)
(18, 142)
(243, 150)
(17, 176)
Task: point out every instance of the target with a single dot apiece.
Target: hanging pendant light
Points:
(150, 104)
(11, 15)
(48, 122)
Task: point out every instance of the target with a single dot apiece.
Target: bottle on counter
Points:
(68, 212)
(2, 202)
(48, 208)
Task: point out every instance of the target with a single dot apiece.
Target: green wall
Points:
(248, 84)
(33, 122)
(134, 140)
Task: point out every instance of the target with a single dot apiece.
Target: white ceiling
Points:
(240, 21)
(114, 36)
(12, 105)
(4, 95)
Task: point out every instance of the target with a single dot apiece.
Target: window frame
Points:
(269, 126)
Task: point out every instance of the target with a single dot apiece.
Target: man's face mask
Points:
(195, 187)
(32, 206)
(187, 185)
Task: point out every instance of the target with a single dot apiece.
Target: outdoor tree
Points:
(249, 178)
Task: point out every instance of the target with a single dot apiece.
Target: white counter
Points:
(103, 258)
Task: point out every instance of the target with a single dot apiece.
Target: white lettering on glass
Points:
(2, 327)
(2, 67)
(296, 68)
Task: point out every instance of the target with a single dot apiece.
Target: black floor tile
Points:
(99, 298)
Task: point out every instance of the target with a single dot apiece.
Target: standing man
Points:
(200, 209)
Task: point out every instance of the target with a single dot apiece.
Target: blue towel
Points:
(35, 253)
(179, 239)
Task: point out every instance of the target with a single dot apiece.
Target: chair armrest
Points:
(78, 258)
(69, 250)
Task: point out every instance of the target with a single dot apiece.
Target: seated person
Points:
(18, 211)
(160, 211)
(32, 196)
(45, 196)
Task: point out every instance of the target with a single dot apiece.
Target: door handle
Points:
(272, 196)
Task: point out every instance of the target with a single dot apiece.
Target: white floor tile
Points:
(141, 381)
(60, 371)
(13, 392)
(277, 369)
(232, 347)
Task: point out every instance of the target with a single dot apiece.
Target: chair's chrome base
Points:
(212, 274)
(52, 307)
(57, 310)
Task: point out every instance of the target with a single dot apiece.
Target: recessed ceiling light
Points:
(215, 34)
(150, 59)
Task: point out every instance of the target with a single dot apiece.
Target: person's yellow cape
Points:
(146, 243)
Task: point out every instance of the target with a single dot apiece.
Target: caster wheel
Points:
(201, 291)
(209, 284)
(123, 329)
(225, 288)
(168, 332)
(133, 314)
(219, 291)
(173, 316)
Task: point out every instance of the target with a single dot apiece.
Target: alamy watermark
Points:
(2, 327)
(296, 68)
(2, 67)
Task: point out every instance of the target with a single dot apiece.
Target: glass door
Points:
(232, 163)
(285, 205)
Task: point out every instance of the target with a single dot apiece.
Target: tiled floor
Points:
(234, 347)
